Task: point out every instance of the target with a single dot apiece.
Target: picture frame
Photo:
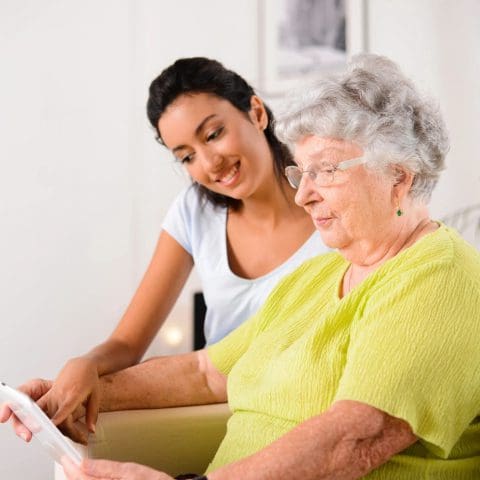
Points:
(300, 40)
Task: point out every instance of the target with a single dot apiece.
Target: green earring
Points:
(399, 212)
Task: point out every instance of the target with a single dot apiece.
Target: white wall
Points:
(83, 187)
(437, 42)
(66, 198)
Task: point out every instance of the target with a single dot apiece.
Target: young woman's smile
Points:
(231, 176)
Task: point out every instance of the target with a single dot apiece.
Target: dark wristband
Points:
(191, 476)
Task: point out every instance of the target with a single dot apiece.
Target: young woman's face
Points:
(222, 148)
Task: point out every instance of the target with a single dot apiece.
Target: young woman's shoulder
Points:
(190, 201)
(191, 218)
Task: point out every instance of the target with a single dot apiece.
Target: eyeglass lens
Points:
(320, 177)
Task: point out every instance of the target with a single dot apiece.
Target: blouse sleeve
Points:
(414, 353)
(226, 353)
(179, 219)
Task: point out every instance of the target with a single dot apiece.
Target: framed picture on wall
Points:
(302, 39)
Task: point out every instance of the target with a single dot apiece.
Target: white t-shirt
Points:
(200, 228)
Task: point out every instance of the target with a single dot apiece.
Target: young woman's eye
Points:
(215, 134)
(186, 158)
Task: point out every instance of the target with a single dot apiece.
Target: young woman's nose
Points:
(212, 160)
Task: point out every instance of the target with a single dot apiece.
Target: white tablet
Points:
(33, 417)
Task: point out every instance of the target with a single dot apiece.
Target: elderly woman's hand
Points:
(35, 389)
(39, 390)
(105, 469)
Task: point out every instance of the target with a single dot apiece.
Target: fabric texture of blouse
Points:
(405, 340)
(200, 228)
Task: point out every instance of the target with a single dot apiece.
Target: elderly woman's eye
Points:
(328, 169)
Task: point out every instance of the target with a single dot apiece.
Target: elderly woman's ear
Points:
(402, 182)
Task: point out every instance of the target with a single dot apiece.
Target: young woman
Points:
(237, 223)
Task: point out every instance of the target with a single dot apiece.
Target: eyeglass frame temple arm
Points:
(351, 163)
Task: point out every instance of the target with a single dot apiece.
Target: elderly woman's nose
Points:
(305, 191)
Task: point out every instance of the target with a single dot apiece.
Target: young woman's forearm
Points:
(78, 381)
(157, 293)
(113, 355)
(163, 382)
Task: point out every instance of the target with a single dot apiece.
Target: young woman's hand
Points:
(74, 393)
(105, 469)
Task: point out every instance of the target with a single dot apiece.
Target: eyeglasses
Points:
(322, 174)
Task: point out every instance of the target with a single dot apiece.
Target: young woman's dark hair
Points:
(203, 75)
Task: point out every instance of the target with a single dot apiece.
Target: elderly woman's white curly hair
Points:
(374, 105)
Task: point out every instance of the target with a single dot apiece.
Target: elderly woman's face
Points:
(357, 204)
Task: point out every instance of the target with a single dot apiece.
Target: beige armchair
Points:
(174, 440)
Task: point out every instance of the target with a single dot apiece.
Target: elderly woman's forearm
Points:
(163, 382)
(346, 442)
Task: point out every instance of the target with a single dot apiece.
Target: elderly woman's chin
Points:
(332, 234)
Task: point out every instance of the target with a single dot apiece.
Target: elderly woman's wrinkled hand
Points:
(39, 390)
(106, 469)
(35, 389)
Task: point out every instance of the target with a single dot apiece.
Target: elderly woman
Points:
(362, 362)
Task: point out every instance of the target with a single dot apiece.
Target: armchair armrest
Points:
(173, 440)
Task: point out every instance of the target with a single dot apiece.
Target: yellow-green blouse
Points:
(406, 341)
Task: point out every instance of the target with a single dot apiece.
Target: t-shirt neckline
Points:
(268, 274)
